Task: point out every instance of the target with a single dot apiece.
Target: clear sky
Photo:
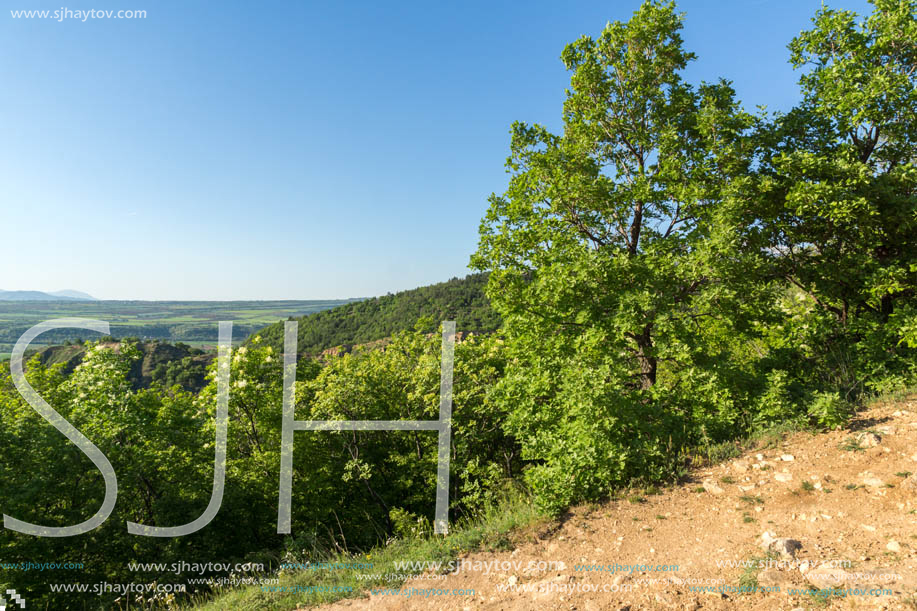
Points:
(298, 150)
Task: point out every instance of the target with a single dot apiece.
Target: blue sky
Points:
(297, 150)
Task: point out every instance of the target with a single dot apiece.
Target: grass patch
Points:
(821, 599)
(748, 580)
(772, 436)
(762, 438)
(726, 479)
(720, 452)
(851, 445)
(808, 486)
(489, 531)
(752, 500)
(903, 474)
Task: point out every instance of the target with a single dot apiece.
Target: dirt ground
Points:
(847, 497)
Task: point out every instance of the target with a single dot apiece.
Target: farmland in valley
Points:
(191, 322)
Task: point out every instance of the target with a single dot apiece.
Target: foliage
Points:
(351, 490)
(828, 410)
(838, 184)
(159, 363)
(673, 272)
(459, 299)
(385, 471)
(153, 441)
(614, 262)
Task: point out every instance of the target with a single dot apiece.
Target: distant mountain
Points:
(460, 299)
(74, 295)
(40, 296)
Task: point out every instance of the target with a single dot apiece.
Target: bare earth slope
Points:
(847, 497)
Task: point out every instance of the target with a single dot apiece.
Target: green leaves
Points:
(839, 205)
(611, 255)
(401, 382)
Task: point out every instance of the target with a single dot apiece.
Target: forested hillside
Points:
(160, 363)
(459, 299)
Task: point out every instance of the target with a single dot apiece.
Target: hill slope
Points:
(162, 362)
(848, 497)
(459, 299)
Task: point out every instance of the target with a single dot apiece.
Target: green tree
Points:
(365, 476)
(154, 443)
(838, 207)
(614, 259)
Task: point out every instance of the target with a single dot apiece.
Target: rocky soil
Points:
(834, 512)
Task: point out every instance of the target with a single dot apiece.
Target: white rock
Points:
(911, 482)
(712, 487)
(871, 480)
(893, 546)
(787, 458)
(784, 546)
(783, 477)
(827, 577)
(867, 439)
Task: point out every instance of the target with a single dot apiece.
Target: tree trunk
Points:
(886, 307)
(646, 358)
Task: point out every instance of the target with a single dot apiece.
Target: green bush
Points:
(828, 410)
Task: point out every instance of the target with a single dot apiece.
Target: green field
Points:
(191, 322)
